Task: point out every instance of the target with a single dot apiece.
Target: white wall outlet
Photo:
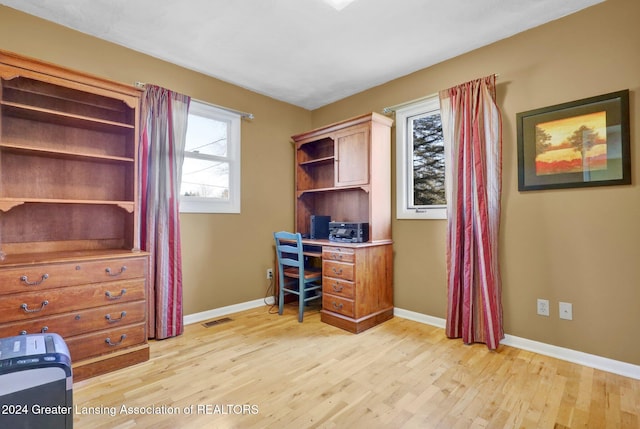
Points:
(566, 310)
(269, 273)
(543, 307)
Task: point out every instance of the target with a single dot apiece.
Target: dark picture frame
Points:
(577, 144)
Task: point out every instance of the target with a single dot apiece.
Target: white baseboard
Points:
(586, 359)
(223, 311)
(419, 317)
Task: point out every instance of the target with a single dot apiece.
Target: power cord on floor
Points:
(273, 307)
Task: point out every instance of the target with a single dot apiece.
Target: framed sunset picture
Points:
(576, 144)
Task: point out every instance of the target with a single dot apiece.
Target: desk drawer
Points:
(342, 288)
(47, 276)
(341, 254)
(337, 304)
(107, 341)
(80, 322)
(338, 270)
(31, 305)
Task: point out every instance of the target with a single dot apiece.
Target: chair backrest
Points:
(289, 249)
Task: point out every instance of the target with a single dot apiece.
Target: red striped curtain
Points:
(472, 126)
(161, 152)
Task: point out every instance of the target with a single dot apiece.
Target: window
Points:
(211, 167)
(420, 161)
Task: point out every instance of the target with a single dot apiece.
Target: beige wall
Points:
(575, 245)
(224, 256)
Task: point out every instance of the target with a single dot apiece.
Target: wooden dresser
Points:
(343, 170)
(70, 260)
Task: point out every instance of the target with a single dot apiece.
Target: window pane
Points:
(207, 136)
(204, 178)
(428, 160)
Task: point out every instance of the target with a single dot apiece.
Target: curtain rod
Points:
(246, 115)
(391, 109)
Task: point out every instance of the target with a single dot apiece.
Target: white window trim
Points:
(404, 173)
(214, 205)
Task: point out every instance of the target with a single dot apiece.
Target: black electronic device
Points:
(349, 232)
(319, 227)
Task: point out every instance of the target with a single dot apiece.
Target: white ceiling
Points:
(304, 52)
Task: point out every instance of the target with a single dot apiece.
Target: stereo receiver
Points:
(349, 232)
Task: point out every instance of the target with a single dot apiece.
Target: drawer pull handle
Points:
(337, 288)
(112, 274)
(337, 306)
(110, 320)
(26, 309)
(337, 272)
(336, 256)
(113, 297)
(122, 337)
(25, 280)
(43, 330)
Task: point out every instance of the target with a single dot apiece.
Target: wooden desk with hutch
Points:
(343, 170)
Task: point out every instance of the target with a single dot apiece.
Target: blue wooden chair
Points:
(294, 277)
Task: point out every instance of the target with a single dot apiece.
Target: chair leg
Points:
(301, 298)
(281, 295)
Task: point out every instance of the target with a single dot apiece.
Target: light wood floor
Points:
(261, 370)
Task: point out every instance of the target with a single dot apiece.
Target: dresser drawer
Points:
(79, 322)
(337, 304)
(107, 341)
(31, 305)
(338, 270)
(338, 287)
(41, 277)
(342, 254)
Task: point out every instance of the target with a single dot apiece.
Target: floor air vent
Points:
(216, 322)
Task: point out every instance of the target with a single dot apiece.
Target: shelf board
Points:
(45, 257)
(7, 204)
(54, 116)
(312, 254)
(326, 140)
(364, 188)
(50, 91)
(32, 150)
(325, 160)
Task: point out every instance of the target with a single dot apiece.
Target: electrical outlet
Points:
(269, 273)
(566, 310)
(543, 307)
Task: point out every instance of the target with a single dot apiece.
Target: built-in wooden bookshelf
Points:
(69, 214)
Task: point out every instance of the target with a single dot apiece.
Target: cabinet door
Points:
(352, 156)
